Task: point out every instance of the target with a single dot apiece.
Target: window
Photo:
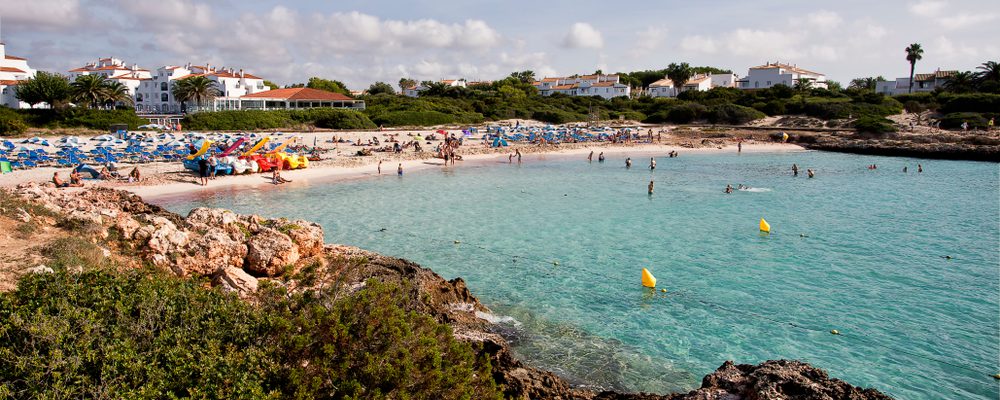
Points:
(163, 86)
(138, 97)
(163, 97)
(768, 83)
(756, 84)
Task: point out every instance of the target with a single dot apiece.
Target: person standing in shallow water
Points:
(650, 187)
(628, 163)
(920, 168)
(795, 170)
(518, 151)
(600, 157)
(380, 167)
(399, 170)
(652, 163)
(590, 158)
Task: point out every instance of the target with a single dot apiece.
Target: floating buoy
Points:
(996, 376)
(556, 263)
(835, 332)
(458, 242)
(764, 226)
(663, 290)
(648, 280)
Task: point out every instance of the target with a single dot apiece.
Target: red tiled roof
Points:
(934, 75)
(81, 69)
(604, 84)
(9, 82)
(189, 76)
(662, 83)
(786, 66)
(298, 94)
(222, 74)
(129, 76)
(10, 57)
(10, 69)
(565, 87)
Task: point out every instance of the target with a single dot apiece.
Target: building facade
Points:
(156, 96)
(114, 70)
(921, 83)
(606, 86)
(771, 74)
(13, 70)
(701, 82)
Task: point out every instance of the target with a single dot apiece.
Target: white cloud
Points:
(822, 20)
(765, 44)
(823, 52)
(873, 31)
(165, 15)
(583, 35)
(965, 20)
(928, 8)
(698, 43)
(648, 40)
(40, 13)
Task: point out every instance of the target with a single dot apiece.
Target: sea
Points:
(883, 278)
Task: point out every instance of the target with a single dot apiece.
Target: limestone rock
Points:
(308, 237)
(232, 279)
(269, 252)
(212, 251)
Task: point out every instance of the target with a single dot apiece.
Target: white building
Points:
(155, 95)
(921, 83)
(13, 70)
(701, 82)
(114, 70)
(770, 74)
(606, 86)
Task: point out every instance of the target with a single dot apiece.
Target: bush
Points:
(773, 107)
(874, 125)
(557, 116)
(101, 334)
(329, 118)
(424, 118)
(732, 114)
(685, 113)
(12, 124)
(343, 119)
(973, 102)
(914, 106)
(955, 120)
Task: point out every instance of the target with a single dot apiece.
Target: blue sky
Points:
(360, 42)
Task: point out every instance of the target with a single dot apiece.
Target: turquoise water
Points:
(855, 250)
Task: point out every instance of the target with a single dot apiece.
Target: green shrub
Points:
(424, 118)
(874, 125)
(773, 107)
(145, 335)
(732, 114)
(557, 116)
(12, 124)
(685, 113)
(237, 120)
(973, 102)
(924, 98)
(955, 120)
(343, 119)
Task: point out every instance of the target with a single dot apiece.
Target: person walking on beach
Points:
(510, 158)
(399, 170)
(518, 151)
(651, 187)
(989, 125)
(213, 163)
(380, 167)
(203, 171)
(628, 163)
(590, 158)
(652, 163)
(795, 170)
(739, 147)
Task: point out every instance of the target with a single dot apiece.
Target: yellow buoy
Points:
(835, 332)
(764, 226)
(663, 290)
(784, 137)
(648, 280)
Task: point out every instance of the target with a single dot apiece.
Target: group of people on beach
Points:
(109, 172)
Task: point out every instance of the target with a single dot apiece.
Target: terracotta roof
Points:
(189, 76)
(10, 57)
(696, 80)
(298, 94)
(604, 84)
(130, 77)
(551, 79)
(10, 69)
(934, 75)
(662, 83)
(81, 69)
(9, 82)
(565, 87)
(222, 74)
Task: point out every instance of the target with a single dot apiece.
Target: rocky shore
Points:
(979, 146)
(239, 253)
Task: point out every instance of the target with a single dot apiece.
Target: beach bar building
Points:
(13, 70)
(288, 99)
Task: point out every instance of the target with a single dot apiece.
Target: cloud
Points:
(583, 36)
(34, 14)
(822, 20)
(698, 43)
(763, 43)
(928, 8)
(965, 20)
(164, 15)
(648, 40)
(823, 52)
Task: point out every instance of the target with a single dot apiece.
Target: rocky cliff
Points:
(239, 252)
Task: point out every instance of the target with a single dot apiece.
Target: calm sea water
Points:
(855, 250)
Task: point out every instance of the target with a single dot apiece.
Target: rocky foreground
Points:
(241, 252)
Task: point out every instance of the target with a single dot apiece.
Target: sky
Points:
(360, 42)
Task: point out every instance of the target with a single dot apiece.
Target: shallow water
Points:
(855, 250)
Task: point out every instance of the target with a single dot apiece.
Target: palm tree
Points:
(989, 71)
(867, 83)
(90, 90)
(679, 75)
(961, 82)
(115, 93)
(803, 85)
(197, 88)
(913, 53)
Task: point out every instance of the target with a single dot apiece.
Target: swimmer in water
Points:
(650, 187)
(600, 157)
(628, 163)
(795, 170)
(904, 170)
(652, 164)
(811, 173)
(920, 168)
(729, 189)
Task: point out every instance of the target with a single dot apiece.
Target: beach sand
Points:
(169, 179)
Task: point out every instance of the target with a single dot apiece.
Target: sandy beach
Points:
(341, 162)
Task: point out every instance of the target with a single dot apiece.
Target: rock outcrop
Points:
(240, 252)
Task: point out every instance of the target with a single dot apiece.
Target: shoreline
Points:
(168, 180)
